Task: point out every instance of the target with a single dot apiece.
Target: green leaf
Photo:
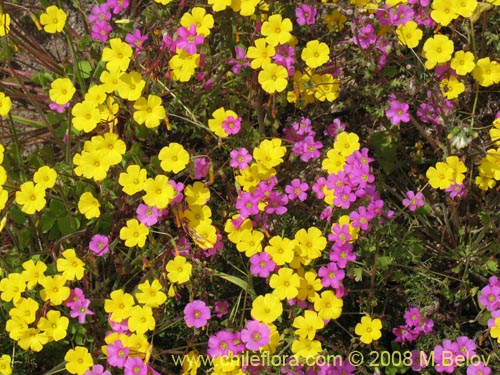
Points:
(236, 281)
(47, 221)
(64, 225)
(85, 68)
(483, 320)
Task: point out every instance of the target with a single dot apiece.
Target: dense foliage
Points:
(245, 186)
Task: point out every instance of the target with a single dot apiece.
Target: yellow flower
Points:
(130, 86)
(244, 7)
(4, 23)
(285, 284)
(134, 233)
(463, 62)
(5, 104)
(5, 368)
(70, 265)
(88, 205)
(61, 90)
(159, 192)
(277, 30)
(53, 20)
(33, 272)
(437, 50)
(486, 72)
(32, 339)
(409, 34)
(54, 289)
(273, 78)
(151, 294)
(307, 325)
(220, 115)
(86, 115)
(114, 148)
(451, 88)
(328, 305)
(183, 65)
(198, 17)
(369, 329)
(78, 360)
(269, 153)
(133, 180)
(119, 305)
(219, 5)
(315, 53)
(197, 194)
(261, 53)
(178, 270)
(440, 176)
(92, 164)
(117, 56)
(306, 348)
(149, 111)
(346, 143)
(45, 177)
(31, 197)
(141, 319)
(280, 249)
(163, 2)
(174, 157)
(53, 325)
(443, 11)
(267, 308)
(464, 8)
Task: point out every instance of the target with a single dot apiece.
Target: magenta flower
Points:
(261, 264)
(318, 186)
(490, 297)
(444, 356)
(99, 13)
(179, 188)
(478, 369)
(276, 203)
(58, 108)
(147, 215)
(360, 218)
(100, 31)
(413, 317)
(331, 275)
(306, 15)
(340, 233)
(99, 244)
(397, 111)
(307, 148)
(97, 370)
(136, 40)
(188, 40)
(256, 335)
(118, 5)
(466, 346)
(456, 190)
(117, 354)
(201, 167)
(135, 366)
(196, 314)
(247, 205)
(341, 253)
(221, 308)
(413, 201)
(240, 158)
(297, 190)
(404, 333)
(231, 125)
(220, 344)
(80, 310)
(240, 61)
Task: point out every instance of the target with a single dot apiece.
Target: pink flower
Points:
(188, 40)
(256, 335)
(97, 370)
(147, 215)
(231, 125)
(135, 366)
(136, 40)
(117, 354)
(331, 275)
(118, 5)
(297, 189)
(100, 31)
(413, 201)
(306, 15)
(201, 167)
(261, 264)
(221, 308)
(240, 158)
(196, 314)
(397, 111)
(80, 310)
(99, 244)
